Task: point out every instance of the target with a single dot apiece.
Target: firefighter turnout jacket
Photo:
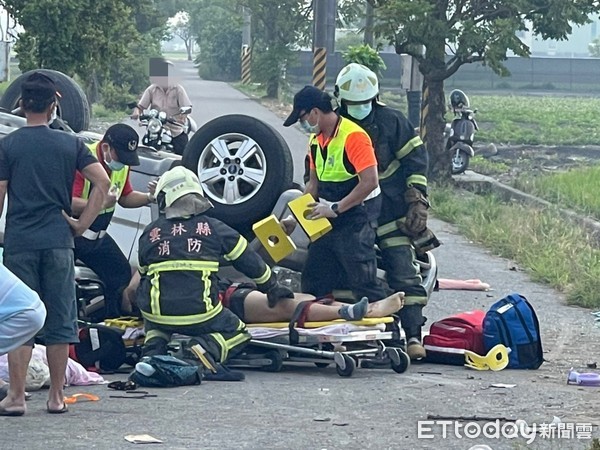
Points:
(179, 259)
(402, 160)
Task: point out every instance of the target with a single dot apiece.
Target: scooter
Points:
(460, 133)
(158, 136)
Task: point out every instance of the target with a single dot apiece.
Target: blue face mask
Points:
(115, 166)
(310, 128)
(359, 112)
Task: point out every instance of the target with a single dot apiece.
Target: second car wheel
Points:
(243, 164)
(73, 107)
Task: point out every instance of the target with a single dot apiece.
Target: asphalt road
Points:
(310, 408)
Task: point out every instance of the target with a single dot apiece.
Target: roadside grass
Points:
(487, 167)
(576, 189)
(540, 241)
(101, 112)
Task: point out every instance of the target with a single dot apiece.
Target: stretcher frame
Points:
(346, 350)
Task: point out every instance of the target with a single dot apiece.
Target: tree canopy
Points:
(442, 35)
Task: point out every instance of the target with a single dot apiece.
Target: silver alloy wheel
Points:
(232, 168)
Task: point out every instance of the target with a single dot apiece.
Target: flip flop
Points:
(57, 411)
(4, 412)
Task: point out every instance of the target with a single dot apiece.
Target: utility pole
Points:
(246, 46)
(323, 39)
(412, 81)
(369, 20)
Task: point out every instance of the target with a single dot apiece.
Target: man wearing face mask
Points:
(117, 151)
(343, 174)
(402, 167)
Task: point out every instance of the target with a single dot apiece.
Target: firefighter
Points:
(402, 163)
(343, 174)
(179, 257)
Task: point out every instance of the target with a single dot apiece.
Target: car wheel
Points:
(73, 107)
(243, 164)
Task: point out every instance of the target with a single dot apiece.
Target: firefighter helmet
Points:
(356, 83)
(458, 99)
(175, 183)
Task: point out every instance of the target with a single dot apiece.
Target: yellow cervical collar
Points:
(496, 359)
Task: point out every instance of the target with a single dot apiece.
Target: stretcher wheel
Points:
(344, 365)
(276, 361)
(400, 361)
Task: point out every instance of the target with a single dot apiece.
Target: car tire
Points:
(243, 164)
(73, 106)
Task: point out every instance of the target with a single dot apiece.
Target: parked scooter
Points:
(461, 132)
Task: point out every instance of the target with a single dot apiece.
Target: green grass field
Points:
(529, 119)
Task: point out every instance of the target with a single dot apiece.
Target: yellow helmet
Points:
(177, 182)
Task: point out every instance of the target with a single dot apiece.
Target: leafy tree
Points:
(471, 31)
(365, 55)
(180, 26)
(105, 44)
(351, 39)
(278, 28)
(217, 25)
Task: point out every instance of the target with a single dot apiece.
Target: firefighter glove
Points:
(416, 216)
(278, 293)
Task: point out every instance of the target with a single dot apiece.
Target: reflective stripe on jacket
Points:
(179, 261)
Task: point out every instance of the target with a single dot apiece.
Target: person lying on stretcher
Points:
(251, 305)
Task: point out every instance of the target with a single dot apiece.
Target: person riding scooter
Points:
(402, 167)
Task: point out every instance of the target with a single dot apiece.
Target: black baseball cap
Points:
(307, 98)
(124, 139)
(39, 88)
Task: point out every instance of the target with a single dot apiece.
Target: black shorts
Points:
(233, 297)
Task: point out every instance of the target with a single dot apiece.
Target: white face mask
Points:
(359, 112)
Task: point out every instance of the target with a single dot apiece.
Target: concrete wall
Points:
(561, 74)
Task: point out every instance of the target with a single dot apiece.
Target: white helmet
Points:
(177, 182)
(356, 83)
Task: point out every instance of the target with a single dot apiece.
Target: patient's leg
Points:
(387, 306)
(256, 309)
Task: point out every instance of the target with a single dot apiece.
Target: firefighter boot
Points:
(411, 318)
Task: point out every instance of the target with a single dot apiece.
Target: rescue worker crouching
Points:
(117, 152)
(402, 163)
(179, 257)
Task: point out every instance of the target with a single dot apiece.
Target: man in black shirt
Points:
(37, 169)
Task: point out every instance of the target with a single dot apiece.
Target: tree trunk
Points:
(432, 129)
(188, 47)
(273, 88)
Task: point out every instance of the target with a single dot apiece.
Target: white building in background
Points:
(575, 46)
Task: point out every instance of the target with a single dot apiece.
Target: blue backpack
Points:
(512, 322)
